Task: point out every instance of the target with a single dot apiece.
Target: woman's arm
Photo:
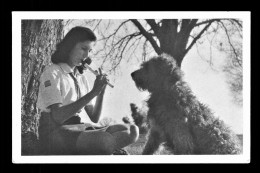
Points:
(61, 113)
(94, 112)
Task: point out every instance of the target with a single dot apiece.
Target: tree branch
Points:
(230, 43)
(121, 45)
(186, 28)
(130, 37)
(153, 25)
(97, 25)
(121, 53)
(147, 36)
(207, 21)
(114, 33)
(198, 36)
(192, 24)
(136, 42)
(239, 28)
(237, 22)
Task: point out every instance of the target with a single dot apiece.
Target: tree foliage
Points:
(234, 61)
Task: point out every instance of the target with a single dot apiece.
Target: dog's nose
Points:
(132, 74)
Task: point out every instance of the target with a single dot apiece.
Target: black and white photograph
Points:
(131, 87)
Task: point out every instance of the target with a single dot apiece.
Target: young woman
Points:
(64, 93)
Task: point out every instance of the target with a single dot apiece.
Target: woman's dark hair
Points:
(74, 36)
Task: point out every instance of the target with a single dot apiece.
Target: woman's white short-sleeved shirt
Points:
(57, 86)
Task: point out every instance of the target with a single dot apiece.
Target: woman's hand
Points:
(100, 83)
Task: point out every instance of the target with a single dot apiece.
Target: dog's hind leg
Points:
(153, 142)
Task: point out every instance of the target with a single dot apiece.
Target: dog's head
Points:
(158, 73)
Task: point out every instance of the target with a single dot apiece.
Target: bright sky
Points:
(210, 88)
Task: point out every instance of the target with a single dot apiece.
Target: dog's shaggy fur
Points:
(176, 117)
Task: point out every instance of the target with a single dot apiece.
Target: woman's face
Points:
(79, 53)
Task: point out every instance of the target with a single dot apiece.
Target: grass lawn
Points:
(137, 147)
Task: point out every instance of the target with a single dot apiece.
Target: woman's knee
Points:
(117, 127)
(106, 145)
(131, 130)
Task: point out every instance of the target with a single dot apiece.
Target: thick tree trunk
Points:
(39, 39)
(172, 41)
(175, 48)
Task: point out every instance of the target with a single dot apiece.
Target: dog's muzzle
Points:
(133, 74)
(138, 80)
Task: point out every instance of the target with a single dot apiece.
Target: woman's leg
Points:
(123, 134)
(93, 142)
(102, 142)
(96, 142)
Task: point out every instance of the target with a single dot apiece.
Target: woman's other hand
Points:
(100, 83)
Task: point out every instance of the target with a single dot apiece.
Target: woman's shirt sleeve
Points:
(50, 89)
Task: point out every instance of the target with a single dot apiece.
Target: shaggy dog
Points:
(176, 118)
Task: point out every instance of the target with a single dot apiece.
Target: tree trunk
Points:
(39, 39)
(173, 42)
